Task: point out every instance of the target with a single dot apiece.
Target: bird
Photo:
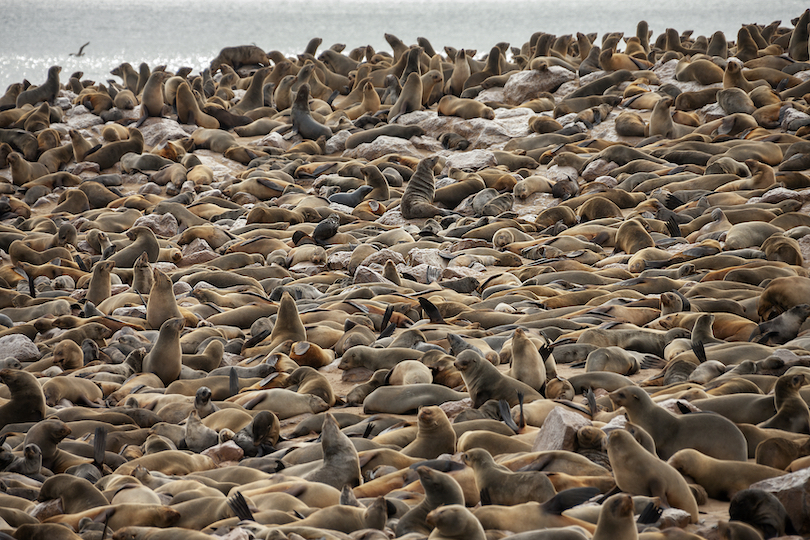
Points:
(81, 50)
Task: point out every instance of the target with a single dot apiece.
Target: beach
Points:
(352, 291)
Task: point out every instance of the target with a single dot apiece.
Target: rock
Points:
(559, 431)
(474, 159)
(337, 142)
(794, 119)
(777, 195)
(452, 408)
(364, 274)
(138, 312)
(383, 256)
(597, 168)
(164, 225)
(454, 272)
(339, 260)
(428, 144)
(20, 347)
(675, 405)
(491, 94)
(673, 517)
(198, 252)
(158, 130)
(555, 173)
(79, 117)
(83, 167)
(181, 288)
(793, 491)
(426, 256)
(469, 243)
(480, 132)
(382, 146)
(225, 452)
(527, 85)
(422, 273)
(63, 283)
(150, 188)
(391, 217)
(275, 140)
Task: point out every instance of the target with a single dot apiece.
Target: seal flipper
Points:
(485, 497)
(569, 498)
(386, 317)
(506, 415)
(99, 447)
(699, 350)
(591, 398)
(389, 330)
(233, 382)
(651, 514)
(239, 506)
(431, 311)
(673, 228)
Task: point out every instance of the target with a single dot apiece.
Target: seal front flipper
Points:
(233, 382)
(699, 350)
(99, 446)
(569, 498)
(431, 311)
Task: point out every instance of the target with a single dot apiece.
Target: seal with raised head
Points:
(417, 201)
(27, 403)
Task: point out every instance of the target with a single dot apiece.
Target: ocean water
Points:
(35, 34)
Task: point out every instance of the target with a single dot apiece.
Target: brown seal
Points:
(417, 201)
(302, 120)
(164, 360)
(721, 479)
(485, 382)
(434, 435)
(454, 522)
(341, 465)
(45, 92)
(616, 519)
(499, 485)
(792, 413)
(27, 402)
(144, 240)
(672, 433)
(638, 472)
(464, 108)
(440, 490)
(162, 304)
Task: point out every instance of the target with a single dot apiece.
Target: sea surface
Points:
(35, 34)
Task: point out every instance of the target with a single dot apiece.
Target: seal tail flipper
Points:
(239, 506)
(672, 202)
(389, 330)
(651, 361)
(506, 415)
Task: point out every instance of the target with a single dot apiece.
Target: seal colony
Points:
(358, 294)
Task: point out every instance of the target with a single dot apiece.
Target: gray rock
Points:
(559, 431)
(337, 143)
(382, 146)
(164, 225)
(527, 85)
(20, 347)
(158, 130)
(474, 159)
(198, 252)
(382, 256)
(793, 491)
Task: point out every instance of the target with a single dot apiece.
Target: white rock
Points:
(527, 85)
(474, 159)
(383, 146)
(18, 346)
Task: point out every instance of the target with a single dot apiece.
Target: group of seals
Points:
(165, 339)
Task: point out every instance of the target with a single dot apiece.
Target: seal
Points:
(440, 490)
(302, 120)
(464, 108)
(616, 519)
(341, 466)
(638, 472)
(45, 92)
(485, 382)
(434, 435)
(417, 201)
(672, 433)
(27, 402)
(454, 522)
(162, 304)
(792, 413)
(498, 485)
(143, 240)
(165, 358)
(721, 479)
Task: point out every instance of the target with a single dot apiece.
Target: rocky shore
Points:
(412, 293)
